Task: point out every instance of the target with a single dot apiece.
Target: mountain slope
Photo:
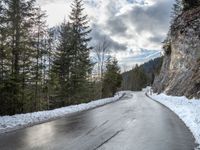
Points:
(141, 76)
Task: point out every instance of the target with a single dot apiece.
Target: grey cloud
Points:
(116, 26)
(117, 46)
(153, 19)
(157, 39)
(98, 35)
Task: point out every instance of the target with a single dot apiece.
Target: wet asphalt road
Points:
(134, 123)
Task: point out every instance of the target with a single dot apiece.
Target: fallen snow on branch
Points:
(187, 110)
(10, 123)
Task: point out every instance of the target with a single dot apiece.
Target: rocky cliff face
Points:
(180, 73)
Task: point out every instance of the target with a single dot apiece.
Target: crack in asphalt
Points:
(106, 141)
(91, 130)
(104, 123)
(97, 127)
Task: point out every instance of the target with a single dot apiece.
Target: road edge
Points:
(53, 119)
(196, 144)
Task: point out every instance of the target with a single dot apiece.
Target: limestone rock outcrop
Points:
(180, 73)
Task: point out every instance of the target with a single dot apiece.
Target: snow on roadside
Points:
(187, 110)
(10, 123)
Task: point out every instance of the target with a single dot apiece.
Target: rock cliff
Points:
(180, 73)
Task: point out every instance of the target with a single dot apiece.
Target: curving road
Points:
(133, 123)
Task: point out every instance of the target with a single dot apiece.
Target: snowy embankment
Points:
(10, 123)
(187, 110)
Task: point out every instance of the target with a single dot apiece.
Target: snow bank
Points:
(10, 123)
(187, 110)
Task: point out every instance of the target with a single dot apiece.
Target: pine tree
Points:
(112, 78)
(81, 50)
(51, 48)
(18, 15)
(39, 55)
(63, 64)
(139, 78)
(32, 76)
(2, 56)
(2, 41)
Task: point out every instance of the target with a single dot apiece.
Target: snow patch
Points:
(187, 110)
(10, 123)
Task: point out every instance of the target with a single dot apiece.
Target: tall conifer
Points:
(81, 49)
(18, 15)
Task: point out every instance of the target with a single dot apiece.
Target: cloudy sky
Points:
(134, 28)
